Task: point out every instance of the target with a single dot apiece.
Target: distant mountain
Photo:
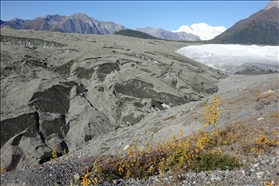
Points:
(261, 27)
(14, 23)
(76, 23)
(202, 30)
(134, 33)
(168, 35)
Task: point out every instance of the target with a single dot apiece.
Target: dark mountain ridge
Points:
(134, 33)
(261, 27)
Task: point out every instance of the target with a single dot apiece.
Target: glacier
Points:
(235, 58)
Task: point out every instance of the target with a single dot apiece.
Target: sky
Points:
(169, 15)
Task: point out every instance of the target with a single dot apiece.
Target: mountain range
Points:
(76, 23)
(168, 35)
(261, 27)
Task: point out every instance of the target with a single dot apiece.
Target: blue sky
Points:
(169, 15)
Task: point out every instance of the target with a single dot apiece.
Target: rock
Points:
(260, 174)
(256, 165)
(215, 178)
(126, 147)
(185, 182)
(261, 118)
(247, 173)
(269, 92)
(76, 176)
(228, 177)
(165, 106)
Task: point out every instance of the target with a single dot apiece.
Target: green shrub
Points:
(213, 160)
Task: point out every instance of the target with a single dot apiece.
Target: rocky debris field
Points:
(67, 90)
(88, 95)
(262, 168)
(258, 170)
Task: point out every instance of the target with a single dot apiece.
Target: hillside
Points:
(260, 28)
(134, 33)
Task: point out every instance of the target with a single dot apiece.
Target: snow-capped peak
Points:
(203, 30)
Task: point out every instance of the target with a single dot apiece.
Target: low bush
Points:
(214, 160)
(190, 154)
(201, 151)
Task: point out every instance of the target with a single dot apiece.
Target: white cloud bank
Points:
(234, 58)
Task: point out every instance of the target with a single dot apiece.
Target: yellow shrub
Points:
(54, 154)
(263, 143)
(3, 170)
(212, 112)
(86, 180)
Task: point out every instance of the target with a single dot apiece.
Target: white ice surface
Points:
(228, 57)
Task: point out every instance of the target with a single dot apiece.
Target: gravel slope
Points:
(237, 95)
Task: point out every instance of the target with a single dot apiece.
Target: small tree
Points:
(212, 112)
